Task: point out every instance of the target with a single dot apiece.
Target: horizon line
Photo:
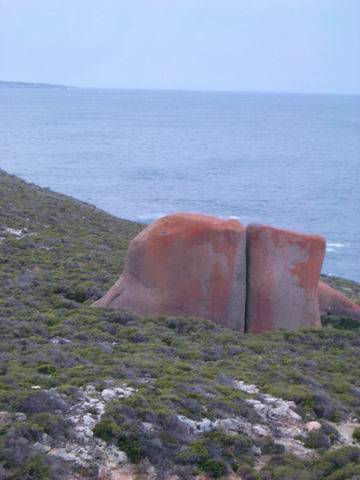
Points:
(172, 89)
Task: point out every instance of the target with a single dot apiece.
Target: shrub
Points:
(215, 468)
(317, 440)
(43, 401)
(132, 447)
(46, 369)
(356, 434)
(33, 469)
(106, 430)
(78, 295)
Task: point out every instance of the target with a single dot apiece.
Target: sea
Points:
(288, 160)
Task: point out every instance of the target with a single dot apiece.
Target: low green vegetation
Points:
(356, 434)
(67, 255)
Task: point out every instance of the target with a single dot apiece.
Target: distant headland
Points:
(4, 83)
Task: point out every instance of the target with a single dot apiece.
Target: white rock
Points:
(14, 231)
(269, 399)
(46, 439)
(285, 412)
(295, 416)
(41, 447)
(245, 387)
(311, 426)
(261, 430)
(124, 392)
(115, 456)
(204, 425)
(90, 389)
(108, 394)
(233, 425)
(60, 340)
(20, 417)
(74, 419)
(147, 426)
(260, 408)
(100, 408)
(35, 387)
(296, 448)
(256, 451)
(88, 420)
(290, 431)
(63, 454)
(253, 402)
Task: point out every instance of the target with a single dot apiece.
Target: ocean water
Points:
(288, 160)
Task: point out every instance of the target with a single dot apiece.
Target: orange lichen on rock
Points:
(256, 279)
(332, 302)
(282, 280)
(185, 264)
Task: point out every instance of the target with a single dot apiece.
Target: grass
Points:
(69, 255)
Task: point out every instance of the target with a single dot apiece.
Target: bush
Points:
(106, 430)
(317, 440)
(132, 447)
(33, 469)
(78, 295)
(215, 468)
(356, 434)
(46, 369)
(43, 401)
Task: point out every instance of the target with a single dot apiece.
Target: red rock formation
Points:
(185, 264)
(335, 303)
(282, 280)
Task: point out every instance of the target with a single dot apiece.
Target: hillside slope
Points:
(90, 393)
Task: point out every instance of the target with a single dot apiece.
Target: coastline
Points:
(347, 286)
(86, 390)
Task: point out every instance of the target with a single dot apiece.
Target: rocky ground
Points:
(95, 394)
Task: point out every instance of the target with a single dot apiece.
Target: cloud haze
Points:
(251, 45)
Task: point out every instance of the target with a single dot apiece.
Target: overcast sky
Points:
(246, 45)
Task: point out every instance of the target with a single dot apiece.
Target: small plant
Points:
(317, 440)
(106, 430)
(34, 468)
(131, 446)
(356, 434)
(215, 468)
(46, 369)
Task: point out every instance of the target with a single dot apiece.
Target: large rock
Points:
(282, 280)
(332, 302)
(185, 264)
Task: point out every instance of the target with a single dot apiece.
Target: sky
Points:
(310, 46)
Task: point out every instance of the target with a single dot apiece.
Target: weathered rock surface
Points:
(332, 302)
(85, 450)
(203, 266)
(277, 420)
(185, 264)
(282, 280)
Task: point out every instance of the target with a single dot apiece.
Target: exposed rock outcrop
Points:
(256, 279)
(185, 264)
(86, 450)
(282, 280)
(332, 302)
